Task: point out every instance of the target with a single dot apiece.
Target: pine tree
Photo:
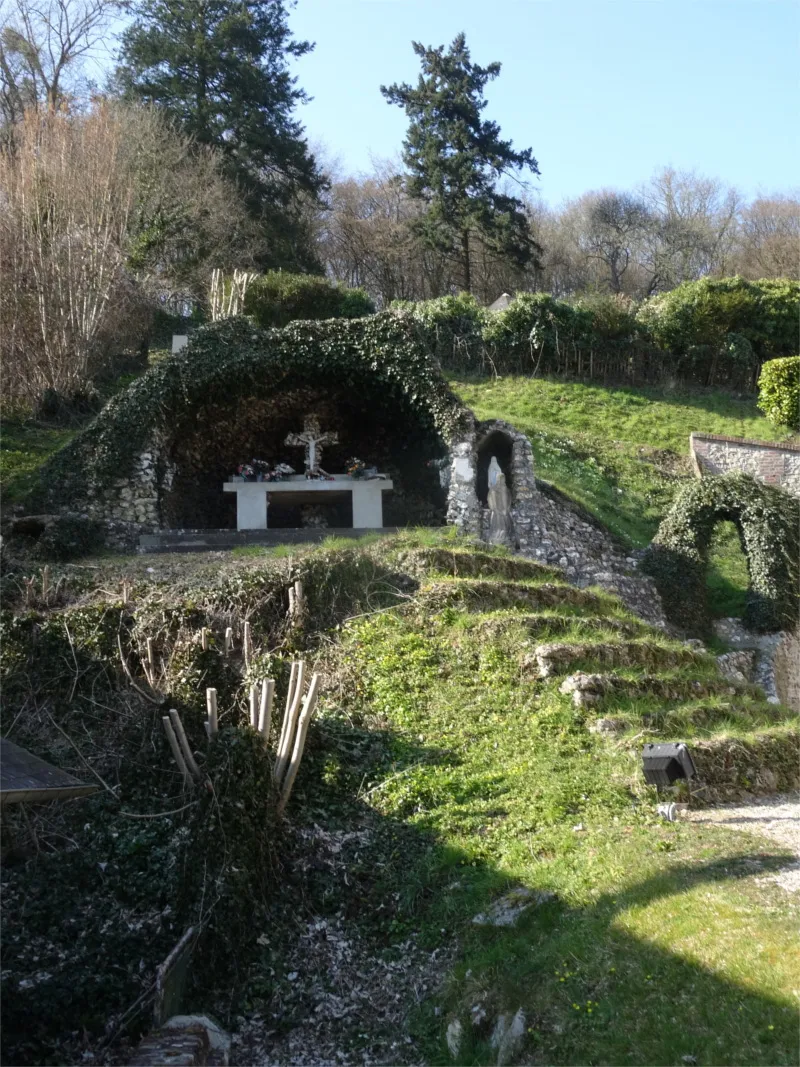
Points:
(219, 69)
(455, 159)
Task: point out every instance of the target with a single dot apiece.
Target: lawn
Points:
(24, 446)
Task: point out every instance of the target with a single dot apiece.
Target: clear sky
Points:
(604, 91)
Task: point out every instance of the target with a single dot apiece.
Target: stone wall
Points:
(787, 670)
(548, 526)
(774, 464)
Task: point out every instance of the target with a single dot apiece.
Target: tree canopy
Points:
(455, 159)
(220, 71)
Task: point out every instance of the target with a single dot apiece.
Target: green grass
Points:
(659, 942)
(623, 452)
(24, 446)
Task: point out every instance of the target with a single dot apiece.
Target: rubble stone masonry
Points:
(774, 464)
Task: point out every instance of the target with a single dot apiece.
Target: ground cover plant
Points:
(442, 770)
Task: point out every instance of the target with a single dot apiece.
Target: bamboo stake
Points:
(299, 597)
(176, 752)
(309, 705)
(289, 699)
(291, 602)
(265, 710)
(204, 639)
(254, 706)
(228, 640)
(211, 703)
(248, 645)
(291, 723)
(151, 662)
(45, 581)
(191, 763)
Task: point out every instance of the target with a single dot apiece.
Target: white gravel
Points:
(776, 817)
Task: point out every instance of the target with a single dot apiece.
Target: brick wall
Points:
(774, 464)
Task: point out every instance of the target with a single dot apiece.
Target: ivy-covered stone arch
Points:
(131, 461)
(768, 523)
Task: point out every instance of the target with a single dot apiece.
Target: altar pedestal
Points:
(252, 498)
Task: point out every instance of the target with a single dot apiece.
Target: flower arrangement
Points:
(356, 467)
(258, 470)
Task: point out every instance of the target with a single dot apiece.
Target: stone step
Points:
(588, 690)
(466, 563)
(219, 540)
(481, 595)
(546, 622)
(557, 658)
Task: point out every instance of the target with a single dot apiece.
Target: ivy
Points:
(768, 522)
(236, 359)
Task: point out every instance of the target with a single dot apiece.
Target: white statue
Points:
(312, 439)
(494, 470)
(501, 525)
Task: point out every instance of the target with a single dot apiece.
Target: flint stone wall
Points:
(774, 464)
(548, 527)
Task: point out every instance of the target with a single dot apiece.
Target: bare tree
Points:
(43, 47)
(769, 238)
(101, 212)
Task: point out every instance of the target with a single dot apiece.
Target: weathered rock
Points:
(453, 1036)
(508, 910)
(738, 666)
(507, 1036)
(607, 726)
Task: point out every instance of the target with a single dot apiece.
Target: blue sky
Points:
(604, 91)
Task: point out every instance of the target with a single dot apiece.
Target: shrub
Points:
(722, 329)
(768, 521)
(69, 537)
(779, 392)
(276, 298)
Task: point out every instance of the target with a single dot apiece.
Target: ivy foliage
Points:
(277, 298)
(779, 392)
(236, 359)
(768, 522)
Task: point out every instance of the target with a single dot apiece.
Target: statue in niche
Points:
(501, 525)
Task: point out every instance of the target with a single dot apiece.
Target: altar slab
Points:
(252, 498)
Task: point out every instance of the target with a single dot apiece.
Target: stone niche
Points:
(468, 480)
(201, 456)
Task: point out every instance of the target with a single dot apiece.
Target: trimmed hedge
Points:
(276, 299)
(235, 359)
(768, 521)
(779, 392)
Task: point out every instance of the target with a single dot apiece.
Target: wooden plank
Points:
(27, 778)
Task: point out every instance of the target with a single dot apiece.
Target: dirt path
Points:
(776, 817)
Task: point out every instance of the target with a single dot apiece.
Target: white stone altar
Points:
(252, 498)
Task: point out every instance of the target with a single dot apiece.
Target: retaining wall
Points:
(774, 464)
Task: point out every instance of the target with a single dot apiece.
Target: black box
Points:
(663, 764)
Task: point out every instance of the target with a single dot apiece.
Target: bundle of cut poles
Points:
(296, 718)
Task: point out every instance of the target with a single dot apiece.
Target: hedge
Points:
(276, 299)
(715, 331)
(779, 392)
(768, 521)
(236, 359)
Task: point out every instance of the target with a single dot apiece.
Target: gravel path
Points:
(776, 817)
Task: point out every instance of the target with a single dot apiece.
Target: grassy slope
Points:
(622, 452)
(659, 943)
(452, 772)
(24, 446)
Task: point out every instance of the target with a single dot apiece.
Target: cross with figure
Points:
(312, 439)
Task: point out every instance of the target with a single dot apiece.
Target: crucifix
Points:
(312, 439)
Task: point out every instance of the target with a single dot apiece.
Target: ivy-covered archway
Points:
(768, 522)
(235, 391)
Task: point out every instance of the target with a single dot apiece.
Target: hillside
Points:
(450, 762)
(622, 452)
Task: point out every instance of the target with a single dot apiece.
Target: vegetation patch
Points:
(768, 521)
(779, 392)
